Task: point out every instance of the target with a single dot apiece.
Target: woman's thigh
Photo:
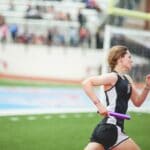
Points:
(94, 146)
(128, 144)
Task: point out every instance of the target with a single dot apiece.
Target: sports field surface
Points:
(57, 130)
(66, 131)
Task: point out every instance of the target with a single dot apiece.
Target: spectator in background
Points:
(11, 6)
(29, 7)
(99, 39)
(73, 37)
(89, 40)
(3, 64)
(3, 29)
(82, 34)
(49, 37)
(81, 18)
(84, 37)
(33, 12)
(13, 28)
(92, 4)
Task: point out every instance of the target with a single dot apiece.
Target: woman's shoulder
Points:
(110, 76)
(129, 78)
(113, 78)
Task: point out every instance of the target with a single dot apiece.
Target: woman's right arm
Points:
(103, 80)
(138, 98)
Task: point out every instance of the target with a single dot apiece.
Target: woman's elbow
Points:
(85, 83)
(137, 104)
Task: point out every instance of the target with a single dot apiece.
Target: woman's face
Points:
(127, 61)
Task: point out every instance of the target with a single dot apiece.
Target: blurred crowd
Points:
(76, 33)
(72, 36)
(80, 31)
(70, 28)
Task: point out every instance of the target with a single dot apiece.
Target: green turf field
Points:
(62, 131)
(32, 83)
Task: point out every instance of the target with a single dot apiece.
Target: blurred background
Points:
(47, 47)
(65, 41)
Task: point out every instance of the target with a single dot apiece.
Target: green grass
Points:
(58, 133)
(29, 83)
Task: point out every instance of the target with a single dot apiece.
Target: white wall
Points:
(52, 62)
(56, 62)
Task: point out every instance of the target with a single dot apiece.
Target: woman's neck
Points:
(120, 70)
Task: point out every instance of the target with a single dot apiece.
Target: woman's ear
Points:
(119, 60)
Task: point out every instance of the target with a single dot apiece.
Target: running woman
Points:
(119, 88)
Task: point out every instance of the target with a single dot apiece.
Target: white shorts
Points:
(120, 137)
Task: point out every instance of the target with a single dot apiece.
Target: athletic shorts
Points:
(109, 135)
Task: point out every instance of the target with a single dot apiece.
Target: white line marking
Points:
(48, 117)
(14, 119)
(63, 116)
(90, 115)
(31, 118)
(77, 115)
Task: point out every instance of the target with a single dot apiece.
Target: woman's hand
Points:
(147, 80)
(103, 111)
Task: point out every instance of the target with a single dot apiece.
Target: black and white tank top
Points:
(117, 99)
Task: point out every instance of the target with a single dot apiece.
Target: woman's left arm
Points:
(137, 98)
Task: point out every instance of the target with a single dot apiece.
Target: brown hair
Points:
(114, 54)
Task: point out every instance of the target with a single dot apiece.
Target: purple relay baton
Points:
(119, 115)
